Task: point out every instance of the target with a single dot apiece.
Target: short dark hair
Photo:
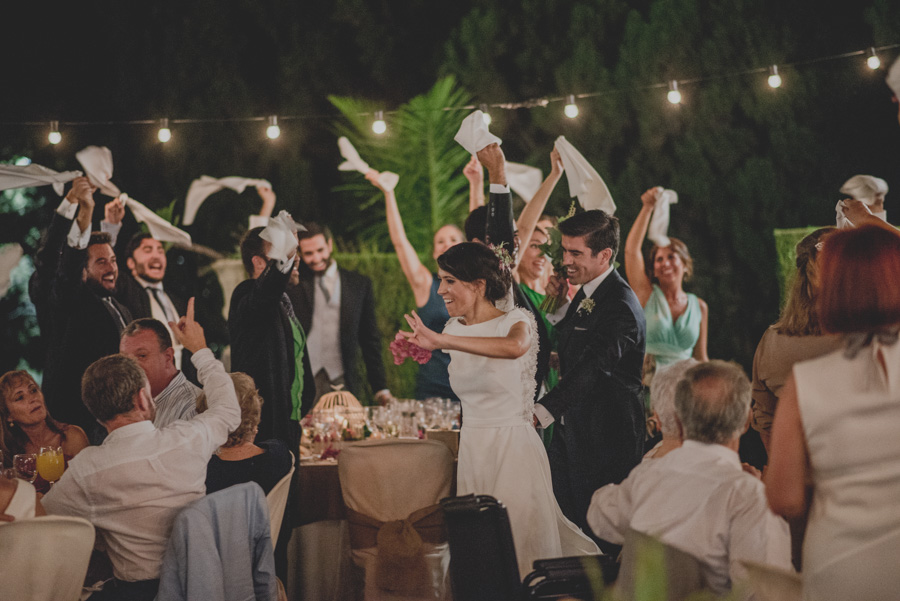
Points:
(109, 385)
(314, 229)
(598, 229)
(135, 243)
(252, 246)
(470, 261)
(100, 238)
(476, 224)
(153, 325)
(860, 274)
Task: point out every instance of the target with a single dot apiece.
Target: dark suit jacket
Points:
(358, 328)
(46, 264)
(81, 331)
(262, 346)
(601, 355)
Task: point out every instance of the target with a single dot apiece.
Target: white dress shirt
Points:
(163, 314)
(133, 485)
(699, 500)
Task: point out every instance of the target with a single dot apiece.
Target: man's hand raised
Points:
(188, 332)
(492, 158)
(114, 212)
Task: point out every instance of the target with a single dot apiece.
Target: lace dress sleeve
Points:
(528, 361)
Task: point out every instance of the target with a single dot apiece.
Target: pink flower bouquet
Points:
(403, 349)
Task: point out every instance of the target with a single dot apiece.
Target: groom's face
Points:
(580, 263)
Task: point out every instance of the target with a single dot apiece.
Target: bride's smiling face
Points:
(459, 297)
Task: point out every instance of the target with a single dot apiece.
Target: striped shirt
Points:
(177, 401)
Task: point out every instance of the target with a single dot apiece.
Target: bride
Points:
(493, 356)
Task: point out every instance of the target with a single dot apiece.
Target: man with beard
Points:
(86, 319)
(337, 308)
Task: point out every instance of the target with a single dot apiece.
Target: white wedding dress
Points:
(500, 453)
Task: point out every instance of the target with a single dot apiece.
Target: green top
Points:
(670, 341)
(536, 299)
(297, 384)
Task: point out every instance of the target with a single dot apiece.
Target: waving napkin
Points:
(205, 186)
(9, 258)
(864, 188)
(159, 228)
(659, 222)
(473, 134)
(28, 176)
(98, 164)
(280, 235)
(584, 181)
(524, 180)
(353, 162)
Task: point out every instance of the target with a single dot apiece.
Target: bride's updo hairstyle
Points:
(470, 261)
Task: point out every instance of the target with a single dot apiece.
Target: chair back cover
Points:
(44, 558)
(684, 572)
(277, 501)
(220, 549)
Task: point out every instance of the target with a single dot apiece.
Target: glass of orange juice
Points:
(51, 464)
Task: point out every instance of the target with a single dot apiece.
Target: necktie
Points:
(115, 313)
(288, 307)
(158, 295)
(325, 289)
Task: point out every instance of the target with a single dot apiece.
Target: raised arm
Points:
(635, 269)
(268, 197)
(532, 212)
(475, 174)
(417, 275)
(512, 346)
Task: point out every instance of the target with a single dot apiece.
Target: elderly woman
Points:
(835, 438)
(662, 404)
(27, 426)
(240, 459)
(796, 336)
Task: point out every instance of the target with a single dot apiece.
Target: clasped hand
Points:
(421, 335)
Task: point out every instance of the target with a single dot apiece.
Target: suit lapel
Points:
(584, 319)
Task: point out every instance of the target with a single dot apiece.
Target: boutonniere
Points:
(586, 305)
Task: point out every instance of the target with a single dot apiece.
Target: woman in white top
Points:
(493, 357)
(836, 435)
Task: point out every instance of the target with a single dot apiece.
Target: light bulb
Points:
(774, 77)
(54, 137)
(571, 109)
(164, 134)
(273, 131)
(674, 96)
(485, 114)
(379, 126)
(873, 61)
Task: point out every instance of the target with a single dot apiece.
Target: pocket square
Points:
(577, 329)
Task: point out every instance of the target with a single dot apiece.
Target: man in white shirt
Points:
(147, 341)
(698, 498)
(134, 485)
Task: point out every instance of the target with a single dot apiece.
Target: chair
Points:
(277, 501)
(220, 549)
(45, 558)
(769, 583)
(645, 558)
(391, 489)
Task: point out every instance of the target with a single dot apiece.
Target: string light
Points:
(164, 134)
(379, 126)
(485, 114)
(774, 77)
(273, 131)
(54, 137)
(674, 96)
(873, 61)
(571, 109)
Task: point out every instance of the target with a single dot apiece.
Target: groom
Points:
(597, 405)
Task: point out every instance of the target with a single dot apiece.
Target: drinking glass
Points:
(51, 464)
(25, 466)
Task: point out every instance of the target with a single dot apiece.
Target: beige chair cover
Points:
(641, 558)
(277, 501)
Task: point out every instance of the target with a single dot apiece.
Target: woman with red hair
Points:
(836, 437)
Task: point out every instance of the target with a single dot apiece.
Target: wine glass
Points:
(25, 466)
(51, 464)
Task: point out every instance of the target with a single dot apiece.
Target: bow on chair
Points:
(400, 566)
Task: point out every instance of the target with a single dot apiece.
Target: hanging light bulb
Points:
(873, 61)
(379, 126)
(54, 137)
(674, 96)
(273, 131)
(774, 77)
(485, 114)
(164, 134)
(571, 109)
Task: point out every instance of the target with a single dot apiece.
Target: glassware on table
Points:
(51, 464)
(25, 466)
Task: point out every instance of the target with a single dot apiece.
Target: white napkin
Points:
(864, 188)
(159, 228)
(584, 181)
(473, 134)
(28, 176)
(280, 235)
(893, 77)
(353, 162)
(524, 180)
(98, 164)
(659, 222)
(205, 186)
(9, 258)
